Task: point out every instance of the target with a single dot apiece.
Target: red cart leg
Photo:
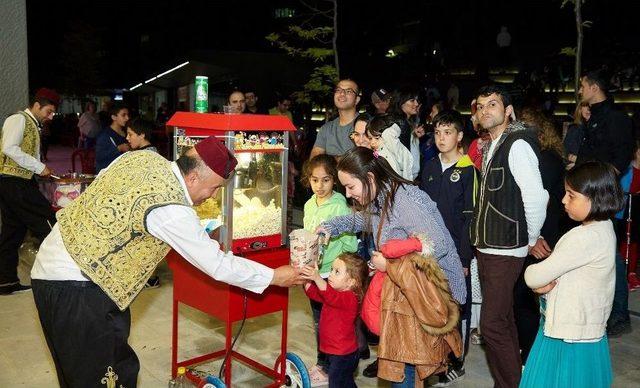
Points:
(283, 345)
(227, 347)
(174, 341)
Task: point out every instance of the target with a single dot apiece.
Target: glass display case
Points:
(250, 211)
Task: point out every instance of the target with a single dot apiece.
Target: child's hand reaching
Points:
(312, 274)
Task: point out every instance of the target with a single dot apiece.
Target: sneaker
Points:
(476, 338)
(371, 370)
(153, 282)
(15, 288)
(318, 377)
(619, 328)
(452, 376)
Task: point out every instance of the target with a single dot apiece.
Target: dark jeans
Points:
(342, 368)
(87, 335)
(620, 308)
(23, 208)
(526, 312)
(498, 276)
(409, 378)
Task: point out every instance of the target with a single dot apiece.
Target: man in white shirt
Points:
(507, 221)
(83, 291)
(22, 205)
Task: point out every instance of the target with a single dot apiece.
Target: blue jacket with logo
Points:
(454, 192)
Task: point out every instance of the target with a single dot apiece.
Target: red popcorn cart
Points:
(249, 218)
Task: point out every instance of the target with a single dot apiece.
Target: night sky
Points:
(81, 46)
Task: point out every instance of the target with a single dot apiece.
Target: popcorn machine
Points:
(250, 215)
(251, 209)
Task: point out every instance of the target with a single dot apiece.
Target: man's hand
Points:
(465, 271)
(287, 276)
(541, 250)
(124, 147)
(46, 172)
(545, 289)
(419, 131)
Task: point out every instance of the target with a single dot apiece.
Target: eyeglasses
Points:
(348, 92)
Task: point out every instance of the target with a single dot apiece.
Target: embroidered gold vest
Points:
(104, 229)
(30, 144)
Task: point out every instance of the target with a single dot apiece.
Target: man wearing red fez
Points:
(22, 205)
(106, 245)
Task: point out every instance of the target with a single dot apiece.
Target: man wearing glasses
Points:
(333, 137)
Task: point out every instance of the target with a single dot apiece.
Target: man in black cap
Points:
(22, 205)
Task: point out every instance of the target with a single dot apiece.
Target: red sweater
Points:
(337, 319)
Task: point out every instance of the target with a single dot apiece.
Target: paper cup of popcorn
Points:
(304, 247)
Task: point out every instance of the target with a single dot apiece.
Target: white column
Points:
(14, 66)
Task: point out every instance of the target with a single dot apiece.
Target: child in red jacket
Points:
(340, 296)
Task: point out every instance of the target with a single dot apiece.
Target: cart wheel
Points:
(296, 374)
(216, 382)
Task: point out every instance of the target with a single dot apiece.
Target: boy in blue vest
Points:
(450, 180)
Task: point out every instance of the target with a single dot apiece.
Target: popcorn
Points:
(253, 219)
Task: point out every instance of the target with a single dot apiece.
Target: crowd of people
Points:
(481, 199)
(440, 230)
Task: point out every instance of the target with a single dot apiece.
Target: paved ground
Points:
(25, 360)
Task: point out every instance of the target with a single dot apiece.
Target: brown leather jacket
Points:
(418, 321)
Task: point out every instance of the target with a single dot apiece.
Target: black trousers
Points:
(526, 312)
(87, 335)
(23, 208)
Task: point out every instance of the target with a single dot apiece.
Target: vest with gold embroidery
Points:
(30, 144)
(104, 229)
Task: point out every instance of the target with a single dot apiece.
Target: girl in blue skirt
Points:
(577, 285)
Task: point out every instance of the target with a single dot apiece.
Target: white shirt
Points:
(446, 165)
(12, 135)
(415, 153)
(178, 226)
(396, 153)
(523, 164)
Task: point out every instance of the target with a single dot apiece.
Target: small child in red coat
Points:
(340, 296)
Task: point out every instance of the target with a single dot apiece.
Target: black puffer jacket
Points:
(608, 136)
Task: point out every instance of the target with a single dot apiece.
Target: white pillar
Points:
(14, 65)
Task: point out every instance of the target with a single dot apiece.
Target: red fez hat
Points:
(50, 95)
(216, 156)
